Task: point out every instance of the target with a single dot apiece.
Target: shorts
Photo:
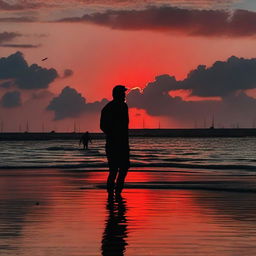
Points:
(118, 155)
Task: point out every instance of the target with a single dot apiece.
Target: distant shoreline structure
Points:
(187, 133)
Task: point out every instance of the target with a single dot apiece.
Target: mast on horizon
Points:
(27, 127)
(74, 126)
(2, 126)
(213, 123)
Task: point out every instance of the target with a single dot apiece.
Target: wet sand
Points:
(67, 212)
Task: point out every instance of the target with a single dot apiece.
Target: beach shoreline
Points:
(68, 213)
(172, 133)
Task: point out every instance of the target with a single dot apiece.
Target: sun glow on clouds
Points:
(140, 119)
(186, 96)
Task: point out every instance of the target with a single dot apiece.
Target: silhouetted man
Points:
(114, 123)
(85, 139)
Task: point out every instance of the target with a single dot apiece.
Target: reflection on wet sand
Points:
(115, 234)
(19, 198)
(73, 221)
(233, 205)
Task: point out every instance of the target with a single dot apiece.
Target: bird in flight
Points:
(44, 59)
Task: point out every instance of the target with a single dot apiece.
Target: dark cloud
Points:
(7, 84)
(162, 85)
(227, 80)
(157, 103)
(8, 36)
(12, 66)
(68, 73)
(125, 3)
(166, 18)
(222, 78)
(18, 19)
(11, 99)
(99, 4)
(26, 77)
(155, 98)
(36, 77)
(70, 103)
(20, 5)
(20, 45)
(229, 111)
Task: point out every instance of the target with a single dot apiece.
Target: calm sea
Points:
(234, 154)
(182, 197)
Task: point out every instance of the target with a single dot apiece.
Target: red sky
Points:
(101, 57)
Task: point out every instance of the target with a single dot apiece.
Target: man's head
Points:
(119, 92)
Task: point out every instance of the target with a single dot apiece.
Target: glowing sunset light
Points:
(92, 52)
(186, 96)
(127, 127)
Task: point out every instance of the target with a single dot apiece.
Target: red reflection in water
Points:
(73, 221)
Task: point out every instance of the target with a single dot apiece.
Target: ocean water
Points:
(182, 197)
(146, 153)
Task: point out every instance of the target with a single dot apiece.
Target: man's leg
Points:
(120, 180)
(111, 179)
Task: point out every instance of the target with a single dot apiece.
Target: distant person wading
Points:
(114, 123)
(85, 139)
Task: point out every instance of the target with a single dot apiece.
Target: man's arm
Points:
(127, 114)
(104, 120)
